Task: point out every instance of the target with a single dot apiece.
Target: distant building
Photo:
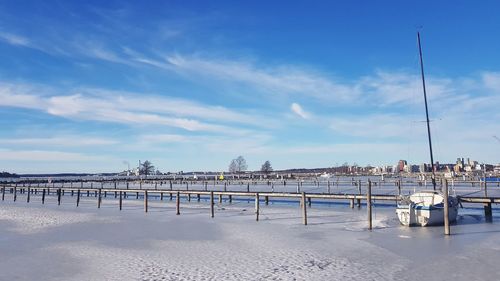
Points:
(402, 166)
(423, 168)
(496, 169)
(414, 168)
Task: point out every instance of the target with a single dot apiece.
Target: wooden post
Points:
(28, 197)
(99, 199)
(211, 204)
(485, 188)
(145, 201)
(78, 197)
(446, 210)
(369, 204)
(487, 212)
(304, 208)
(257, 206)
(120, 201)
(178, 203)
(43, 196)
(58, 196)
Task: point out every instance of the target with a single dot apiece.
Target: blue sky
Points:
(87, 86)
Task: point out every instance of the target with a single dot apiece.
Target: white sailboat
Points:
(426, 207)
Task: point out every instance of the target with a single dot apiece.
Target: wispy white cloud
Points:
(130, 108)
(14, 39)
(47, 155)
(297, 109)
(285, 79)
(62, 141)
(163, 138)
(20, 96)
(376, 126)
(491, 81)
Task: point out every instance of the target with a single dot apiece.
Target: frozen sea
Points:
(51, 242)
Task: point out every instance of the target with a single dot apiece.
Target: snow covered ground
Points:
(50, 242)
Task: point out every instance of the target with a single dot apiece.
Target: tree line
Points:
(239, 165)
(236, 166)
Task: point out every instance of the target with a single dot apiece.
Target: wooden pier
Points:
(302, 197)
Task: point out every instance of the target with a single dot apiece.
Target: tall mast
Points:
(426, 111)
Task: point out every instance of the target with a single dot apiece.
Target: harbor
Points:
(55, 242)
(365, 191)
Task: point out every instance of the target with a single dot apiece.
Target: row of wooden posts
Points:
(305, 199)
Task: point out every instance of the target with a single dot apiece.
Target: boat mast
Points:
(426, 111)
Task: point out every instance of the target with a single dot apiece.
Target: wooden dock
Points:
(96, 189)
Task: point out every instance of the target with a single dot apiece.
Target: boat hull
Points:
(414, 215)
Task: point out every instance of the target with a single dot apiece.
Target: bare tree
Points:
(147, 168)
(241, 164)
(266, 167)
(233, 167)
(238, 165)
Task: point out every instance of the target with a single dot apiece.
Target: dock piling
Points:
(487, 212)
(77, 197)
(304, 208)
(211, 204)
(178, 203)
(257, 211)
(99, 199)
(446, 209)
(120, 201)
(369, 204)
(59, 192)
